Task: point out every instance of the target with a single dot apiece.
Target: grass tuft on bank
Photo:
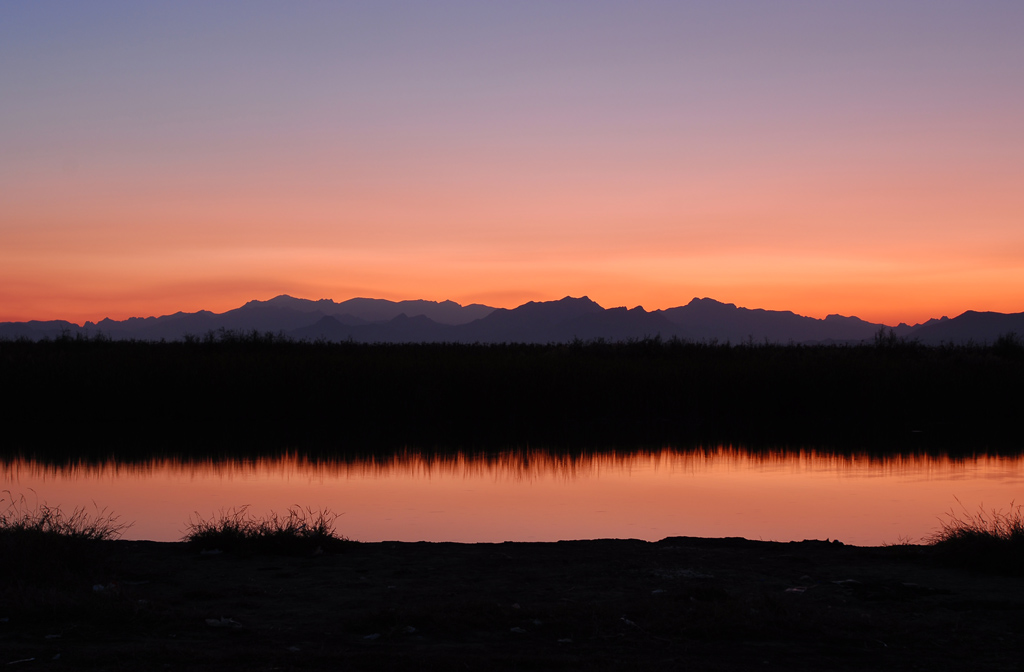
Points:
(992, 540)
(43, 548)
(302, 531)
(19, 519)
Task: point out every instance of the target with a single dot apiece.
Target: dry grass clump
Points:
(300, 532)
(992, 540)
(44, 546)
(18, 518)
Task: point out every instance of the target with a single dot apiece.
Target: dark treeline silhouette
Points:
(231, 394)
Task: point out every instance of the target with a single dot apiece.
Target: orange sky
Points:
(863, 160)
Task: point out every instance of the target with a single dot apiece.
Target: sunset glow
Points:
(861, 158)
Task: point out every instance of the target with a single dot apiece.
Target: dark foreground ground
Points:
(707, 604)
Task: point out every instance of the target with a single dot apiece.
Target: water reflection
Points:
(538, 495)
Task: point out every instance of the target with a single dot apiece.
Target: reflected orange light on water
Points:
(537, 496)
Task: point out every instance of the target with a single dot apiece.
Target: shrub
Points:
(19, 519)
(44, 546)
(993, 540)
(300, 532)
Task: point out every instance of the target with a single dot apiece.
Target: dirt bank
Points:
(711, 604)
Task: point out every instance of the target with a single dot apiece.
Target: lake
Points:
(536, 495)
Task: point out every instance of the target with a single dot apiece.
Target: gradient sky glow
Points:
(865, 158)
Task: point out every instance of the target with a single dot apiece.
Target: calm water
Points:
(534, 496)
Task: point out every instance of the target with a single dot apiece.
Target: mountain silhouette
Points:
(400, 329)
(706, 319)
(970, 326)
(380, 320)
(533, 322)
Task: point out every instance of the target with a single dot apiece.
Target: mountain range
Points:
(379, 320)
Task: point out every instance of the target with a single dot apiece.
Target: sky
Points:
(862, 158)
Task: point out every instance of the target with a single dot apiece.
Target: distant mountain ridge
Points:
(380, 320)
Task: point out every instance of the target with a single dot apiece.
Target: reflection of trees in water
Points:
(525, 464)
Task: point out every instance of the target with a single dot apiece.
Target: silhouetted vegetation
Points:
(1009, 346)
(18, 518)
(991, 540)
(301, 532)
(235, 394)
(44, 549)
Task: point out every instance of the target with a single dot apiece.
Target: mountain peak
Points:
(836, 317)
(708, 303)
(581, 301)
